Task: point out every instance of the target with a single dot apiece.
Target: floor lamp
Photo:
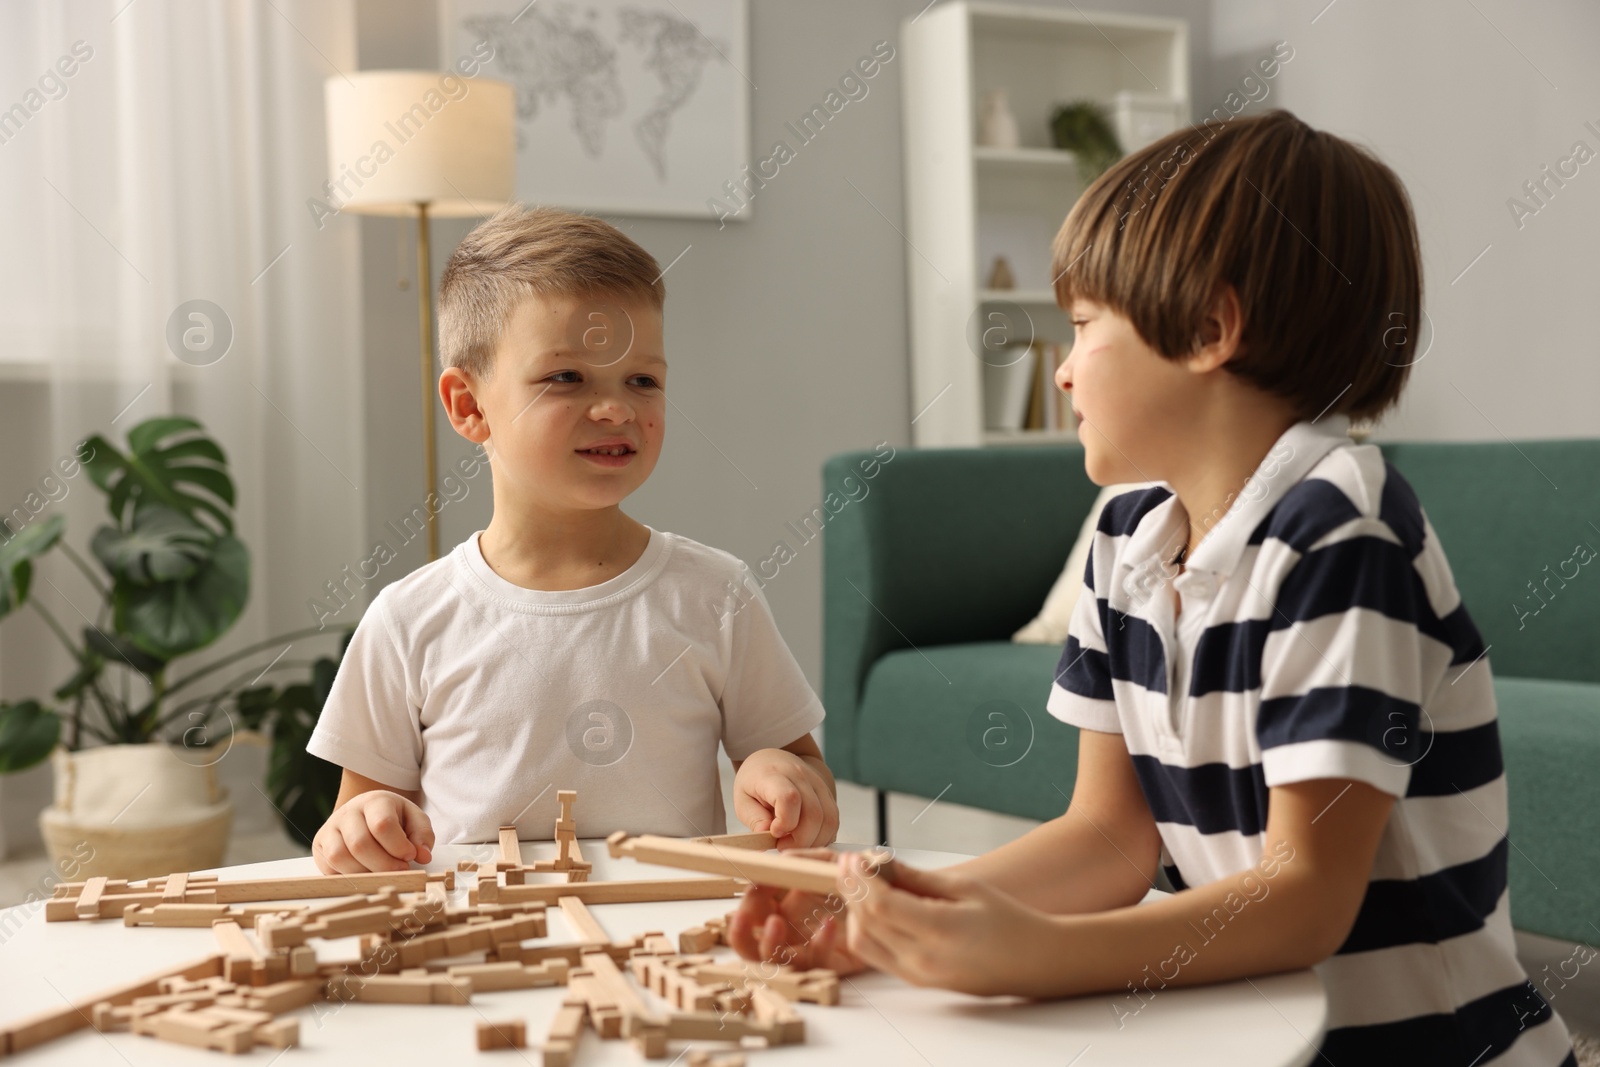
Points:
(430, 145)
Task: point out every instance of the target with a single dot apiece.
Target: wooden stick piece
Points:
(629, 892)
(57, 1022)
(89, 900)
(582, 921)
(510, 848)
(502, 1033)
(758, 842)
(792, 872)
(565, 1029)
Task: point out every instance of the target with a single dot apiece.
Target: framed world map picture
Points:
(627, 107)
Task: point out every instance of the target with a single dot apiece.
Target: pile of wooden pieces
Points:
(418, 948)
(510, 869)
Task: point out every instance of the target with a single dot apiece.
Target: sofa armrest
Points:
(933, 547)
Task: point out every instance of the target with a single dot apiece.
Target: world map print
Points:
(621, 104)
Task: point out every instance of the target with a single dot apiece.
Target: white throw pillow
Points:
(1050, 628)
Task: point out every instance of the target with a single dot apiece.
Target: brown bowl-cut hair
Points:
(1315, 234)
(541, 251)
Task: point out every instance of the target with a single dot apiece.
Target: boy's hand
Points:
(949, 930)
(778, 791)
(792, 927)
(373, 831)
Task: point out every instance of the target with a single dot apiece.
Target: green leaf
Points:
(16, 554)
(174, 618)
(170, 458)
(82, 679)
(255, 707)
(114, 648)
(28, 733)
(163, 546)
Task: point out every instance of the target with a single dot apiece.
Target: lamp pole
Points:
(425, 323)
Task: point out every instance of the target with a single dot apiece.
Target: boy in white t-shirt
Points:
(565, 646)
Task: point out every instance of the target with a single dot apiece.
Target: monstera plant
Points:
(172, 579)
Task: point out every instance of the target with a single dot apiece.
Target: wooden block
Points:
(773, 1009)
(760, 842)
(818, 986)
(704, 1058)
(198, 1028)
(631, 892)
(537, 954)
(561, 1043)
(231, 939)
(176, 885)
(640, 1024)
(45, 1026)
(507, 1033)
(601, 1001)
(113, 904)
(793, 872)
(697, 939)
(280, 997)
(489, 977)
(510, 848)
(582, 920)
(398, 989)
(88, 903)
(174, 915)
(280, 1033)
(717, 1026)
(249, 1016)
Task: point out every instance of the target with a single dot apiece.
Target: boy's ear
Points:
(1220, 329)
(456, 390)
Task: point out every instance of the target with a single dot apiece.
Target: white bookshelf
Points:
(966, 203)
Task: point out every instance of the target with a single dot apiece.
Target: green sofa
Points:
(948, 552)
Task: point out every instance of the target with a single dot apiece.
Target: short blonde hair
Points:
(540, 251)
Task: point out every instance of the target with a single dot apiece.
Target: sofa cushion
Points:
(970, 717)
(1550, 737)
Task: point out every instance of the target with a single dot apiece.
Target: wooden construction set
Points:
(418, 948)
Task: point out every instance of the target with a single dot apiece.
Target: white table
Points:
(1271, 1022)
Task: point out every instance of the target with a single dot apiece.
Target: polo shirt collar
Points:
(1219, 552)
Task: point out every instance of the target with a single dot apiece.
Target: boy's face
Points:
(575, 402)
(1133, 405)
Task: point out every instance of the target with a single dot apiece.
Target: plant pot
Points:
(132, 811)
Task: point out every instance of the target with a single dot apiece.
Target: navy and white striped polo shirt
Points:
(1321, 636)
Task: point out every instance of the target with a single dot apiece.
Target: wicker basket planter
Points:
(132, 811)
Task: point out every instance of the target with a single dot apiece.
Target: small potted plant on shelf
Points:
(134, 743)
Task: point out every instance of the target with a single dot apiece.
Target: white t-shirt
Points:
(489, 697)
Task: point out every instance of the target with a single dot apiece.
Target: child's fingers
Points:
(759, 902)
(877, 895)
(749, 810)
(419, 829)
(787, 808)
(383, 823)
(775, 936)
(332, 856)
(742, 927)
(862, 941)
(936, 884)
(371, 855)
(808, 827)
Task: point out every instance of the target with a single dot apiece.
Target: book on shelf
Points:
(1008, 388)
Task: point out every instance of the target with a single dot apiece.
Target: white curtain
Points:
(155, 152)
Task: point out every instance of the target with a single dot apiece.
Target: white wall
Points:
(1467, 101)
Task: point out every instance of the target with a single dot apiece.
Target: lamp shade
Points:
(397, 138)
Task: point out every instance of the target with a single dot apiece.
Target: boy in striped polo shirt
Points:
(1282, 699)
